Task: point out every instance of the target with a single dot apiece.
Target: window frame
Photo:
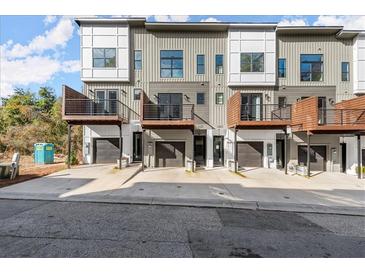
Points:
(197, 98)
(199, 64)
(347, 73)
(104, 58)
(217, 94)
(311, 65)
(137, 60)
(262, 63)
(216, 65)
(171, 68)
(284, 68)
(135, 94)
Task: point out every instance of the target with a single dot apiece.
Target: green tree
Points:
(46, 99)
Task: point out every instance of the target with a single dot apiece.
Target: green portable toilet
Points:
(43, 153)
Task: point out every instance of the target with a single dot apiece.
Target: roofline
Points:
(309, 27)
(109, 20)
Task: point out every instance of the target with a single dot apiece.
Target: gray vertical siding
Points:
(334, 52)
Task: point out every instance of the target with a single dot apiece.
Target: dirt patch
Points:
(29, 170)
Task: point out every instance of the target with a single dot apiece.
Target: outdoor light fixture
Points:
(331, 101)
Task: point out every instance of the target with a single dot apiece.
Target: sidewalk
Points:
(264, 189)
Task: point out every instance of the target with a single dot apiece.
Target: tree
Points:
(46, 99)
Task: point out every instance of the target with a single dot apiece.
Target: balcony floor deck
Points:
(168, 124)
(93, 119)
(274, 124)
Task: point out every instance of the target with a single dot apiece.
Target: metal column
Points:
(120, 146)
(359, 165)
(286, 152)
(308, 155)
(69, 146)
(235, 151)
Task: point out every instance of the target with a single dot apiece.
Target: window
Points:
(219, 64)
(282, 68)
(282, 101)
(219, 98)
(104, 58)
(345, 71)
(252, 62)
(311, 67)
(171, 64)
(137, 59)
(200, 98)
(137, 94)
(200, 64)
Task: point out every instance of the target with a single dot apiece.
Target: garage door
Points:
(318, 157)
(170, 154)
(106, 150)
(250, 154)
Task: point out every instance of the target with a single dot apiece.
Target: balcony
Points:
(79, 109)
(343, 118)
(257, 116)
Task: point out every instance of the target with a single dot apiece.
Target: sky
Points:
(38, 51)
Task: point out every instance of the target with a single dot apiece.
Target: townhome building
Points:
(202, 95)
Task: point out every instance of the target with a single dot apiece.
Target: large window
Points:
(171, 64)
(104, 58)
(200, 64)
(311, 67)
(252, 62)
(345, 71)
(219, 64)
(137, 59)
(282, 68)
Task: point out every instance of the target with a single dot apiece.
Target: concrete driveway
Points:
(255, 189)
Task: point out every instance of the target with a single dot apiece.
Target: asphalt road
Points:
(81, 229)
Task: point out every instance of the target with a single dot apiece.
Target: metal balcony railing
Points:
(89, 107)
(265, 112)
(341, 116)
(168, 112)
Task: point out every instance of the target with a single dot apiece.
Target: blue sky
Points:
(44, 50)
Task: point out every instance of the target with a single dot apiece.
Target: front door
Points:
(199, 150)
(343, 157)
(137, 146)
(280, 153)
(170, 106)
(218, 150)
(251, 107)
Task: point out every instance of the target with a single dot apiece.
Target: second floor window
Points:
(104, 57)
(219, 98)
(282, 68)
(311, 67)
(200, 64)
(219, 64)
(252, 62)
(171, 64)
(200, 98)
(137, 59)
(345, 71)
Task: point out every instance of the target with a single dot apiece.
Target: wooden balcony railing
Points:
(341, 116)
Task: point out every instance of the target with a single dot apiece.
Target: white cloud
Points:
(210, 19)
(349, 22)
(49, 19)
(293, 21)
(172, 18)
(52, 39)
(22, 65)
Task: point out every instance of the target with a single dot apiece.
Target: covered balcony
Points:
(166, 116)
(244, 115)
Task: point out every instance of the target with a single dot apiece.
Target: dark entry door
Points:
(250, 154)
(170, 105)
(170, 154)
(251, 107)
(199, 150)
(106, 150)
(137, 146)
(318, 157)
(218, 150)
(280, 153)
(343, 157)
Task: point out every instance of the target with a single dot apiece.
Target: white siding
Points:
(243, 40)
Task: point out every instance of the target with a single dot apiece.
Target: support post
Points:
(192, 134)
(120, 146)
(286, 152)
(69, 146)
(235, 151)
(142, 149)
(308, 155)
(359, 165)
